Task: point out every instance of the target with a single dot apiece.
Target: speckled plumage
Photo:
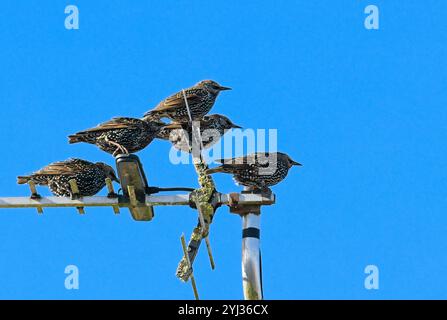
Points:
(212, 128)
(201, 98)
(259, 170)
(90, 177)
(120, 135)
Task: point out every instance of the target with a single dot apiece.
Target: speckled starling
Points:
(259, 170)
(212, 127)
(90, 177)
(120, 135)
(200, 97)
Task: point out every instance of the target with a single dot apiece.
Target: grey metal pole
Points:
(251, 257)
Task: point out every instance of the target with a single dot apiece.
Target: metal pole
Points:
(251, 257)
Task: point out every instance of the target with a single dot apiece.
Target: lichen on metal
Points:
(250, 293)
(183, 271)
(202, 199)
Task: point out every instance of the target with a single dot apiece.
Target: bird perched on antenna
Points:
(212, 128)
(200, 97)
(120, 135)
(90, 177)
(258, 170)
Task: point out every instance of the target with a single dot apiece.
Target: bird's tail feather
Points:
(74, 139)
(215, 170)
(167, 130)
(23, 179)
(163, 134)
(152, 115)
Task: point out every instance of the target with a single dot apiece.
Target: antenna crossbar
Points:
(120, 201)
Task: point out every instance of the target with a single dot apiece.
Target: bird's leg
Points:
(261, 189)
(117, 145)
(74, 196)
(266, 191)
(117, 151)
(252, 189)
(124, 150)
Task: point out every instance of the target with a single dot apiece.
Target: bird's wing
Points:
(115, 123)
(248, 159)
(262, 160)
(239, 163)
(169, 130)
(66, 167)
(173, 126)
(177, 101)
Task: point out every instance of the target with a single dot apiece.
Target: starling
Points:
(200, 97)
(259, 170)
(90, 177)
(180, 134)
(120, 135)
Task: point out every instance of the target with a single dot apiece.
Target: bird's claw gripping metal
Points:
(34, 194)
(111, 192)
(235, 207)
(240, 209)
(75, 196)
(265, 191)
(112, 195)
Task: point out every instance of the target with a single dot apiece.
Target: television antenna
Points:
(140, 199)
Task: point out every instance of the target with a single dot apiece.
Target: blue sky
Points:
(363, 110)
